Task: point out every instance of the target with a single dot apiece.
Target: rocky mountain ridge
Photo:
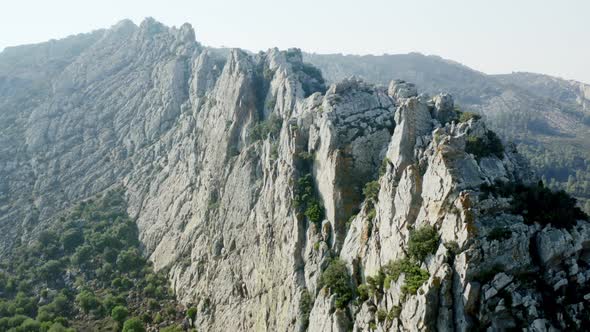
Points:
(246, 175)
(547, 117)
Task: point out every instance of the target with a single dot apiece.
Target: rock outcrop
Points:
(211, 149)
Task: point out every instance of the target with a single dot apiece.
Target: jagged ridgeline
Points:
(86, 273)
(271, 201)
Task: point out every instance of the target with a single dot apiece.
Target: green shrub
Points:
(17, 320)
(305, 305)
(393, 269)
(48, 238)
(304, 190)
(172, 328)
(146, 318)
(71, 239)
(111, 301)
(171, 310)
(153, 304)
(305, 199)
(375, 283)
(149, 290)
(271, 103)
(414, 276)
(337, 280)
(129, 260)
(371, 191)
(314, 211)
(58, 327)
(383, 167)
(4, 324)
(87, 301)
(466, 116)
(487, 146)
(394, 313)
(363, 292)
(119, 314)
(51, 270)
(82, 254)
(306, 155)
(29, 325)
(90, 239)
(452, 247)
(316, 246)
(372, 213)
(133, 325)
(45, 314)
(536, 203)
(381, 315)
(422, 242)
(269, 127)
(274, 151)
(191, 313)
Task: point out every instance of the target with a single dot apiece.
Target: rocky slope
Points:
(245, 174)
(547, 117)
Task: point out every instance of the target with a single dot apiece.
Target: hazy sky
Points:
(494, 36)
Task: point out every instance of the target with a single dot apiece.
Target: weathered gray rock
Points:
(401, 89)
(210, 146)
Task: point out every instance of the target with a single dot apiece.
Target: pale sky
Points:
(493, 36)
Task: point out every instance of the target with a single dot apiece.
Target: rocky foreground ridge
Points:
(245, 174)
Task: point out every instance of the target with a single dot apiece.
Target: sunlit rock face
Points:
(210, 146)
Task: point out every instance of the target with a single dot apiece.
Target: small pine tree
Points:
(133, 325)
(191, 313)
(119, 313)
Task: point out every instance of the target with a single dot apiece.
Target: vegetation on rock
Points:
(563, 167)
(306, 199)
(537, 203)
(86, 272)
(423, 241)
(466, 116)
(489, 145)
(337, 280)
(305, 306)
(269, 127)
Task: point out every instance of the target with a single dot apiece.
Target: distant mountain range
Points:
(547, 117)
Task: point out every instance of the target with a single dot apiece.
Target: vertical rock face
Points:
(211, 150)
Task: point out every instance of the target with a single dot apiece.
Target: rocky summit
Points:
(275, 202)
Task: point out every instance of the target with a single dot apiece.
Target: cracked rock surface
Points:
(149, 109)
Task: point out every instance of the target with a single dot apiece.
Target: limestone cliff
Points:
(212, 150)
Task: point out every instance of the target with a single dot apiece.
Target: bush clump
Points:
(191, 313)
(119, 314)
(489, 145)
(269, 127)
(371, 193)
(466, 116)
(306, 199)
(536, 203)
(371, 190)
(305, 305)
(423, 241)
(337, 280)
(87, 301)
(133, 325)
(97, 243)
